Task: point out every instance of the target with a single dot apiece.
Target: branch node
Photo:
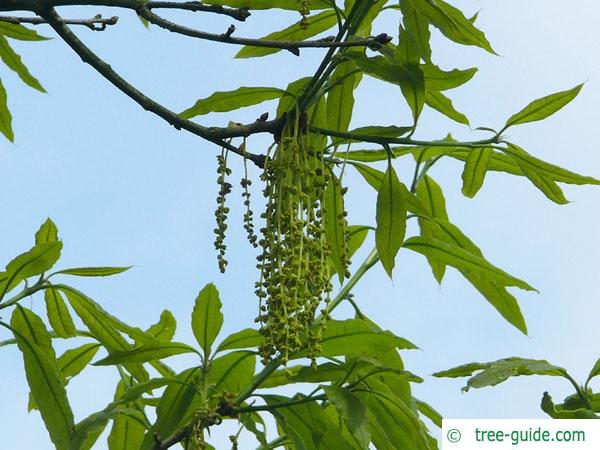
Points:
(229, 32)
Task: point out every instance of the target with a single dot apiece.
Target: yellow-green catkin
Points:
(294, 263)
(304, 10)
(222, 210)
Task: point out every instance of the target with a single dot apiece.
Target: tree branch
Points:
(89, 57)
(96, 23)
(240, 14)
(227, 38)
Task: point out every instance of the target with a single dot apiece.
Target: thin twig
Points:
(227, 37)
(86, 55)
(240, 14)
(96, 23)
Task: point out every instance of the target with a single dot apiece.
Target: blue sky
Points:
(126, 189)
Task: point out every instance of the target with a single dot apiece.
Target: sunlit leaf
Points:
(232, 100)
(335, 225)
(541, 108)
(429, 412)
(246, 338)
(316, 24)
(443, 104)
(58, 314)
(207, 318)
(145, 353)
(475, 169)
(126, 432)
(5, 115)
(354, 337)
(34, 262)
(461, 259)
(340, 98)
(94, 271)
(43, 377)
(164, 329)
(13, 62)
(102, 326)
(73, 361)
(495, 372)
(437, 79)
(46, 233)
(451, 22)
(391, 219)
(549, 408)
(353, 411)
(19, 32)
(232, 372)
(431, 195)
(307, 425)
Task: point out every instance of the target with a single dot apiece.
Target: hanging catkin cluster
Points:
(294, 263)
(304, 10)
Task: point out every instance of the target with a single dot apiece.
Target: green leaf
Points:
(432, 197)
(232, 100)
(408, 77)
(36, 261)
(594, 372)
(73, 361)
(451, 22)
(207, 318)
(549, 408)
(232, 372)
(437, 79)
(43, 377)
(353, 411)
(46, 233)
(246, 338)
(94, 271)
(305, 374)
(145, 353)
(464, 370)
(354, 337)
(417, 27)
(391, 219)
(316, 24)
(340, 99)
(103, 326)
(493, 373)
(374, 155)
(88, 430)
(476, 167)
(429, 412)
(372, 176)
(356, 236)
(164, 329)
(544, 183)
(443, 104)
(94, 308)
(13, 62)
(126, 432)
(543, 107)
(335, 226)
(58, 314)
(19, 32)
(494, 293)
(5, 115)
(457, 257)
(307, 425)
(393, 424)
(359, 134)
(173, 407)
